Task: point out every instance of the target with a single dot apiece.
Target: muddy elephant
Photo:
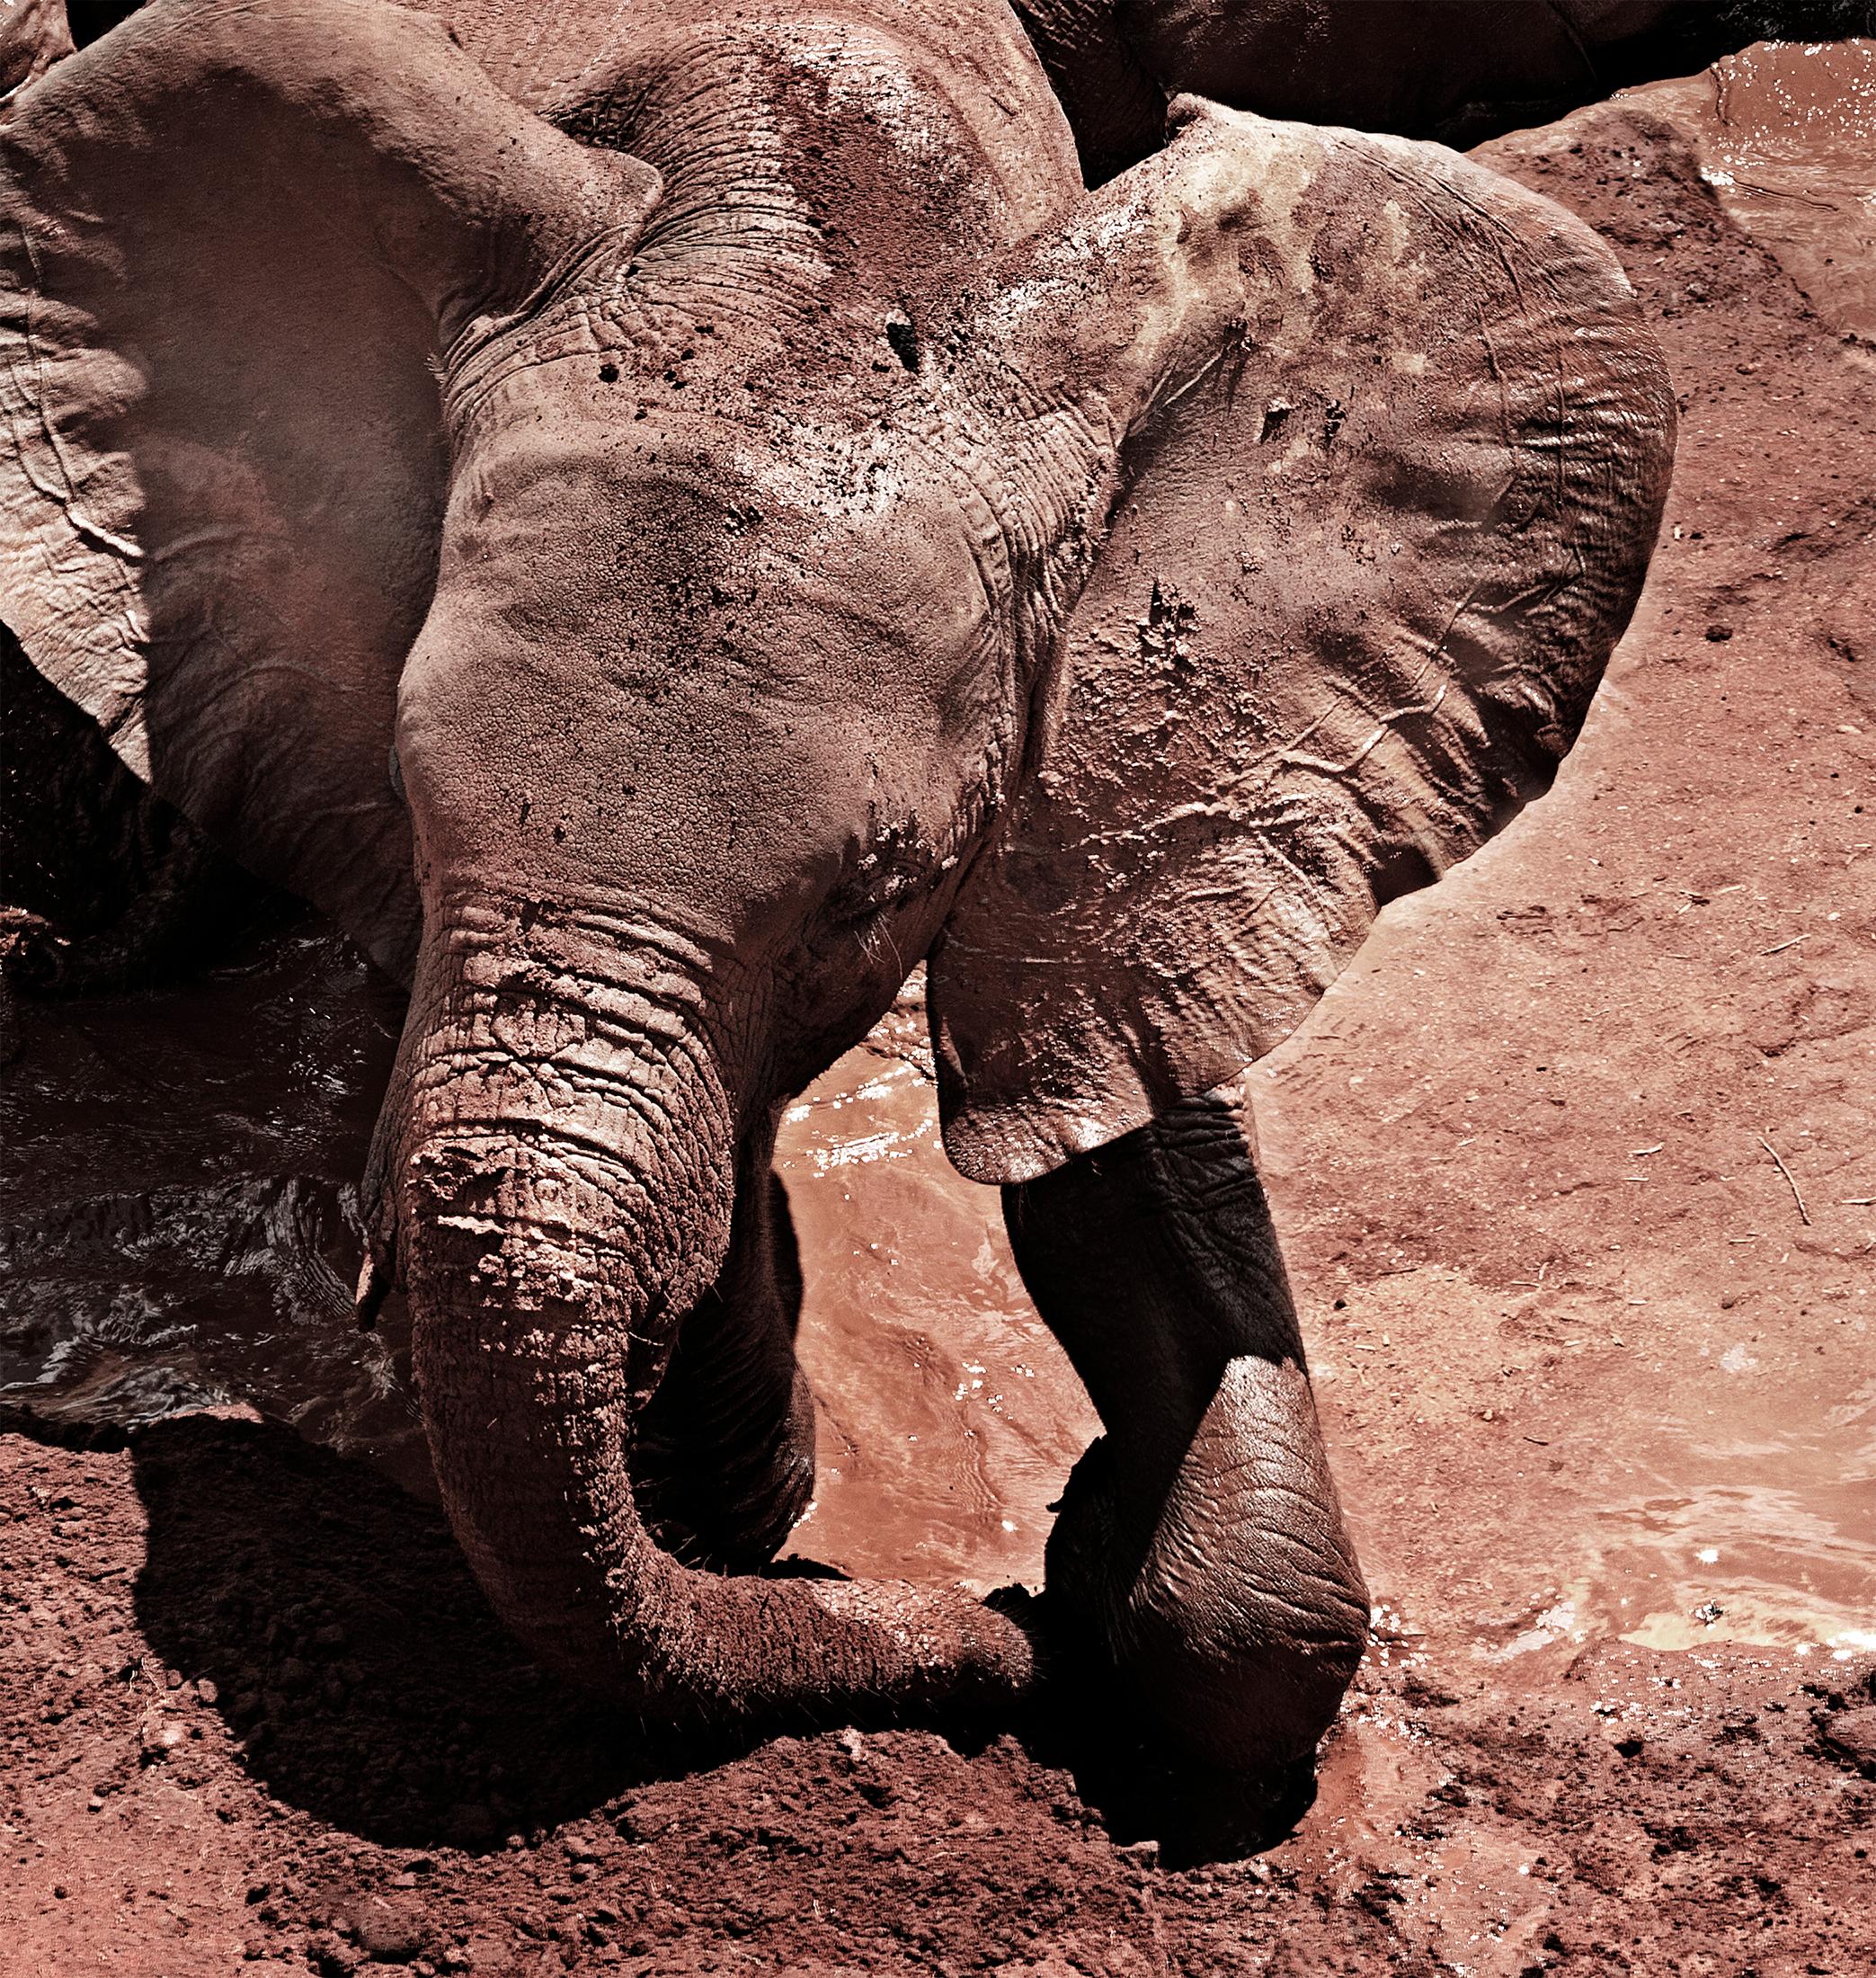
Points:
(660, 518)
(1457, 70)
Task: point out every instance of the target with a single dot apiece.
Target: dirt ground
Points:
(1575, 1170)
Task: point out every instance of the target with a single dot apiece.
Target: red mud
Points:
(1600, 1393)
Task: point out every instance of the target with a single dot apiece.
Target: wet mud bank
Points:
(256, 1711)
(1574, 1174)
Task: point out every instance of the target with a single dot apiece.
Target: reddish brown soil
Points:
(255, 1709)
(252, 1707)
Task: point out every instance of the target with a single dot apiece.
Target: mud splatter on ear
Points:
(235, 236)
(1370, 556)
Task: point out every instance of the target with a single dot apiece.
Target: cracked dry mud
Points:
(1603, 1403)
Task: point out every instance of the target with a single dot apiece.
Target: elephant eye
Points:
(888, 867)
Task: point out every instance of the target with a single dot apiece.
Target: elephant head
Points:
(656, 571)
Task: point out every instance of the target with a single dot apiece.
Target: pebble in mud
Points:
(392, 1930)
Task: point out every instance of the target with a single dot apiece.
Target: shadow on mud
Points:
(1194, 1817)
(367, 1682)
(351, 1652)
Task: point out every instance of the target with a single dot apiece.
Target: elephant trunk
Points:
(563, 1166)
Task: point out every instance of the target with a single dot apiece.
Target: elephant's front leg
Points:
(1200, 1543)
(723, 1458)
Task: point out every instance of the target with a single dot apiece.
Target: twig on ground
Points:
(1804, 1213)
(1784, 192)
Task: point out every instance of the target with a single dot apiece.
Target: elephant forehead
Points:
(847, 555)
(826, 179)
(894, 122)
(897, 63)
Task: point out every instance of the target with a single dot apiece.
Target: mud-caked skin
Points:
(659, 517)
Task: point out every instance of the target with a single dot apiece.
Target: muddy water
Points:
(178, 1205)
(1788, 141)
(1728, 1524)
(1740, 1509)
(949, 1417)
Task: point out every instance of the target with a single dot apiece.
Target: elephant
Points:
(1457, 70)
(658, 519)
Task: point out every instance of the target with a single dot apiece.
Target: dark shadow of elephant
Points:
(368, 1682)
(353, 1656)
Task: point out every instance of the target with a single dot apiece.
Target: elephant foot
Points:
(1237, 1615)
(1200, 1556)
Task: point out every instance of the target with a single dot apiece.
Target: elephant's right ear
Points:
(238, 238)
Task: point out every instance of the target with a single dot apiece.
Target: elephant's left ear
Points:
(1368, 557)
